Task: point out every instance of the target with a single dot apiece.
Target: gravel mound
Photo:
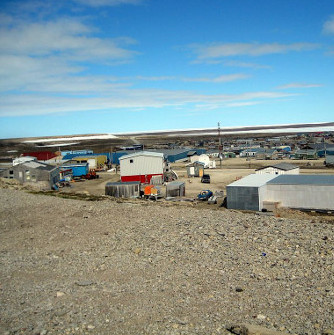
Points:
(106, 267)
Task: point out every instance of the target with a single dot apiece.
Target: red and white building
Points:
(142, 166)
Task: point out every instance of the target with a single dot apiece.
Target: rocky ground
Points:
(107, 267)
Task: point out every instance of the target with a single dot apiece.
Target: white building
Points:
(203, 159)
(263, 191)
(302, 191)
(281, 168)
(141, 166)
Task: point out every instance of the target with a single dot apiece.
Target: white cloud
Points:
(328, 27)
(156, 78)
(50, 56)
(220, 79)
(65, 37)
(219, 50)
(298, 85)
(104, 3)
(118, 98)
(246, 65)
(243, 104)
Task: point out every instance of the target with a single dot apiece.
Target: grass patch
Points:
(76, 196)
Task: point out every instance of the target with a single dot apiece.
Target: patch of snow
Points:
(74, 138)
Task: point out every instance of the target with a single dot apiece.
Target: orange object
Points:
(148, 189)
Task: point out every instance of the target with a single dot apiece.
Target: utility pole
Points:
(220, 146)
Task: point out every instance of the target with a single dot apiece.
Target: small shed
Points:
(302, 191)
(329, 161)
(141, 166)
(123, 190)
(195, 169)
(42, 175)
(249, 192)
(281, 168)
(175, 189)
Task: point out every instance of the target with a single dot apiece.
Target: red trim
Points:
(144, 179)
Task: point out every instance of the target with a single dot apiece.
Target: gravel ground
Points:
(107, 267)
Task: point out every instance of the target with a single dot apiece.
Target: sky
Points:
(111, 66)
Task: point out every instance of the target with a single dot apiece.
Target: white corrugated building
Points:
(281, 168)
(302, 191)
(266, 191)
(141, 166)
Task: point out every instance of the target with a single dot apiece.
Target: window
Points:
(27, 175)
(33, 177)
(131, 160)
(11, 172)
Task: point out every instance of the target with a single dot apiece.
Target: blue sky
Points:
(109, 66)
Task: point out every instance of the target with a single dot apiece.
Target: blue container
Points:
(78, 170)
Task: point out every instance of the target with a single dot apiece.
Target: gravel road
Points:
(107, 267)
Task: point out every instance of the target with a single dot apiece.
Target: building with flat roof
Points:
(281, 168)
(43, 175)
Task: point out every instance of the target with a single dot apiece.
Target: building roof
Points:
(325, 180)
(321, 146)
(280, 166)
(41, 155)
(143, 153)
(73, 164)
(175, 183)
(39, 165)
(119, 183)
(191, 153)
(196, 163)
(254, 180)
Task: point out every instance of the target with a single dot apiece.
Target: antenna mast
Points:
(220, 145)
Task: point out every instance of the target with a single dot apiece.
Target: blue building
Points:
(78, 170)
(182, 154)
(76, 152)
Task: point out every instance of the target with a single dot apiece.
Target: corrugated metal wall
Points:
(302, 196)
(141, 165)
(123, 190)
(246, 198)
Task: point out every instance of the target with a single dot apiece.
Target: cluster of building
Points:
(270, 187)
(48, 169)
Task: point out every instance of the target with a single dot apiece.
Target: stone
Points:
(84, 283)
(248, 329)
